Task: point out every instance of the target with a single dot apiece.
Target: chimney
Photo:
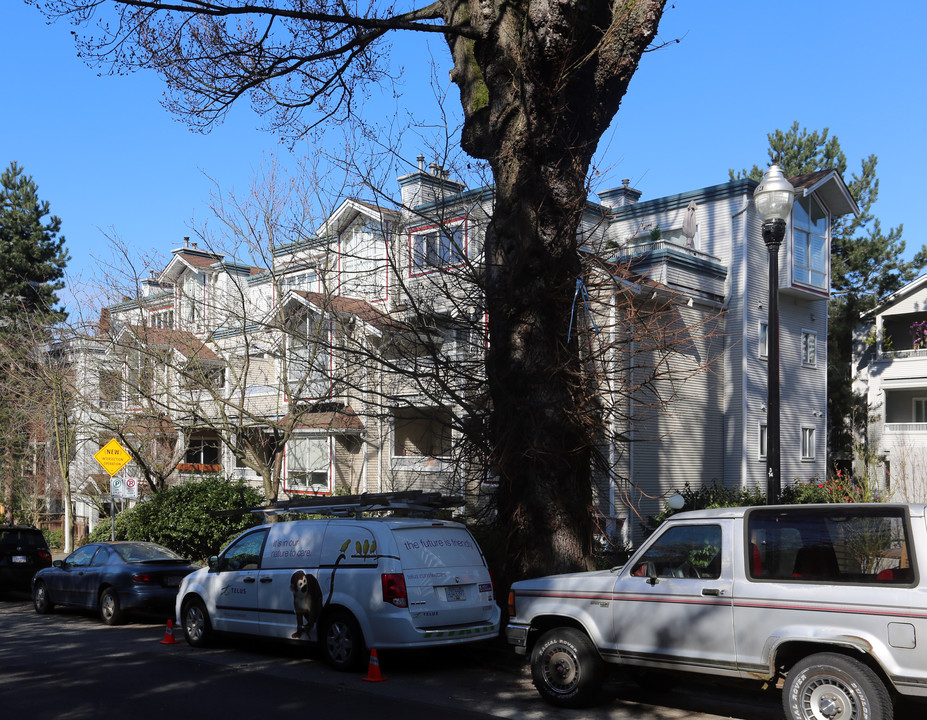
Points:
(620, 197)
(423, 188)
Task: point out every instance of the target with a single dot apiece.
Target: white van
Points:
(349, 584)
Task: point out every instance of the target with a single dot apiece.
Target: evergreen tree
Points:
(34, 256)
(866, 264)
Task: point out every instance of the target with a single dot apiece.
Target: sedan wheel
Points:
(40, 600)
(110, 610)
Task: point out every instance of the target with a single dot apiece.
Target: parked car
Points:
(113, 577)
(827, 599)
(348, 584)
(23, 552)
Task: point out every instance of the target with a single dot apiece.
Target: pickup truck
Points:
(828, 602)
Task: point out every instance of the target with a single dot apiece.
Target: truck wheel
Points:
(566, 668)
(828, 685)
(41, 601)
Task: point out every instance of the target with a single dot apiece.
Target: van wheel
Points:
(110, 610)
(342, 641)
(828, 685)
(196, 626)
(566, 668)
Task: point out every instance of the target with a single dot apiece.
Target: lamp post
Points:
(773, 198)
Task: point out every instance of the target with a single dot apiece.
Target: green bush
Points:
(180, 517)
(54, 538)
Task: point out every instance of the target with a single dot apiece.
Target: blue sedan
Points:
(113, 577)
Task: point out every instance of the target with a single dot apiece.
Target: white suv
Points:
(350, 584)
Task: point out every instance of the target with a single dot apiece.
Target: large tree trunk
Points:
(538, 92)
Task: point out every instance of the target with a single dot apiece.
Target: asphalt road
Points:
(69, 666)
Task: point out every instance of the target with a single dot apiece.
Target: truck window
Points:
(437, 547)
(835, 545)
(685, 551)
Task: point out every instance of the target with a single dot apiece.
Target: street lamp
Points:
(773, 198)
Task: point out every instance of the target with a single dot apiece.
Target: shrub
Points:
(180, 517)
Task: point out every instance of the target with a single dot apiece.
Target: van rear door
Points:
(446, 576)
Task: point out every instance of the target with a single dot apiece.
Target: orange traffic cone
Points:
(373, 670)
(169, 634)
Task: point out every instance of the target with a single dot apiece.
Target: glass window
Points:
(244, 553)
(422, 432)
(836, 545)
(686, 551)
(762, 441)
(82, 556)
(307, 464)
(203, 450)
(920, 410)
(810, 262)
(807, 443)
(437, 248)
(809, 348)
(764, 340)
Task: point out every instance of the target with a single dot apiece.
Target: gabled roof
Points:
(348, 211)
(912, 287)
(828, 185)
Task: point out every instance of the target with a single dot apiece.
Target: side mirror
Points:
(59, 564)
(213, 562)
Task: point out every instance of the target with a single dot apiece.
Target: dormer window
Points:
(194, 299)
(810, 258)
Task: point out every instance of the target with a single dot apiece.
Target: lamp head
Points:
(774, 195)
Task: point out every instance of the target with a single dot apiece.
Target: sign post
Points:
(112, 458)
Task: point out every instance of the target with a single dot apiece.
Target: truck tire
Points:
(197, 629)
(566, 668)
(831, 685)
(342, 641)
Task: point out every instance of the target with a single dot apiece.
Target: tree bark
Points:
(538, 90)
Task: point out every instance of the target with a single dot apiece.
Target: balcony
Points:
(677, 266)
(912, 428)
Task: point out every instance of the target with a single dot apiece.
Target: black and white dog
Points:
(307, 601)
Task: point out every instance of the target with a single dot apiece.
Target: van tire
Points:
(197, 629)
(849, 687)
(566, 668)
(342, 641)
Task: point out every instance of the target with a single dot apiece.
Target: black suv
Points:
(23, 551)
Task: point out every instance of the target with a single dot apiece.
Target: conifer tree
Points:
(34, 256)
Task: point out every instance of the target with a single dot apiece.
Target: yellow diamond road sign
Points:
(112, 456)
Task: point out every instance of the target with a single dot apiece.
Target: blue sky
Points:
(110, 159)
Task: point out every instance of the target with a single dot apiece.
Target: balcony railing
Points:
(904, 354)
(908, 428)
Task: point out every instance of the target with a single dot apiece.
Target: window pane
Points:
(844, 545)
(800, 217)
(818, 219)
(692, 551)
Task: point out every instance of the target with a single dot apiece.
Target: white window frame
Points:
(809, 348)
(308, 456)
(808, 443)
(763, 340)
(762, 441)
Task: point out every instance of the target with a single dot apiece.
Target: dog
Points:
(307, 602)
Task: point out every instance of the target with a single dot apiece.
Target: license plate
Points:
(20, 559)
(455, 594)
(172, 581)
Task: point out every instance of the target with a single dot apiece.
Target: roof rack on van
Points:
(413, 502)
